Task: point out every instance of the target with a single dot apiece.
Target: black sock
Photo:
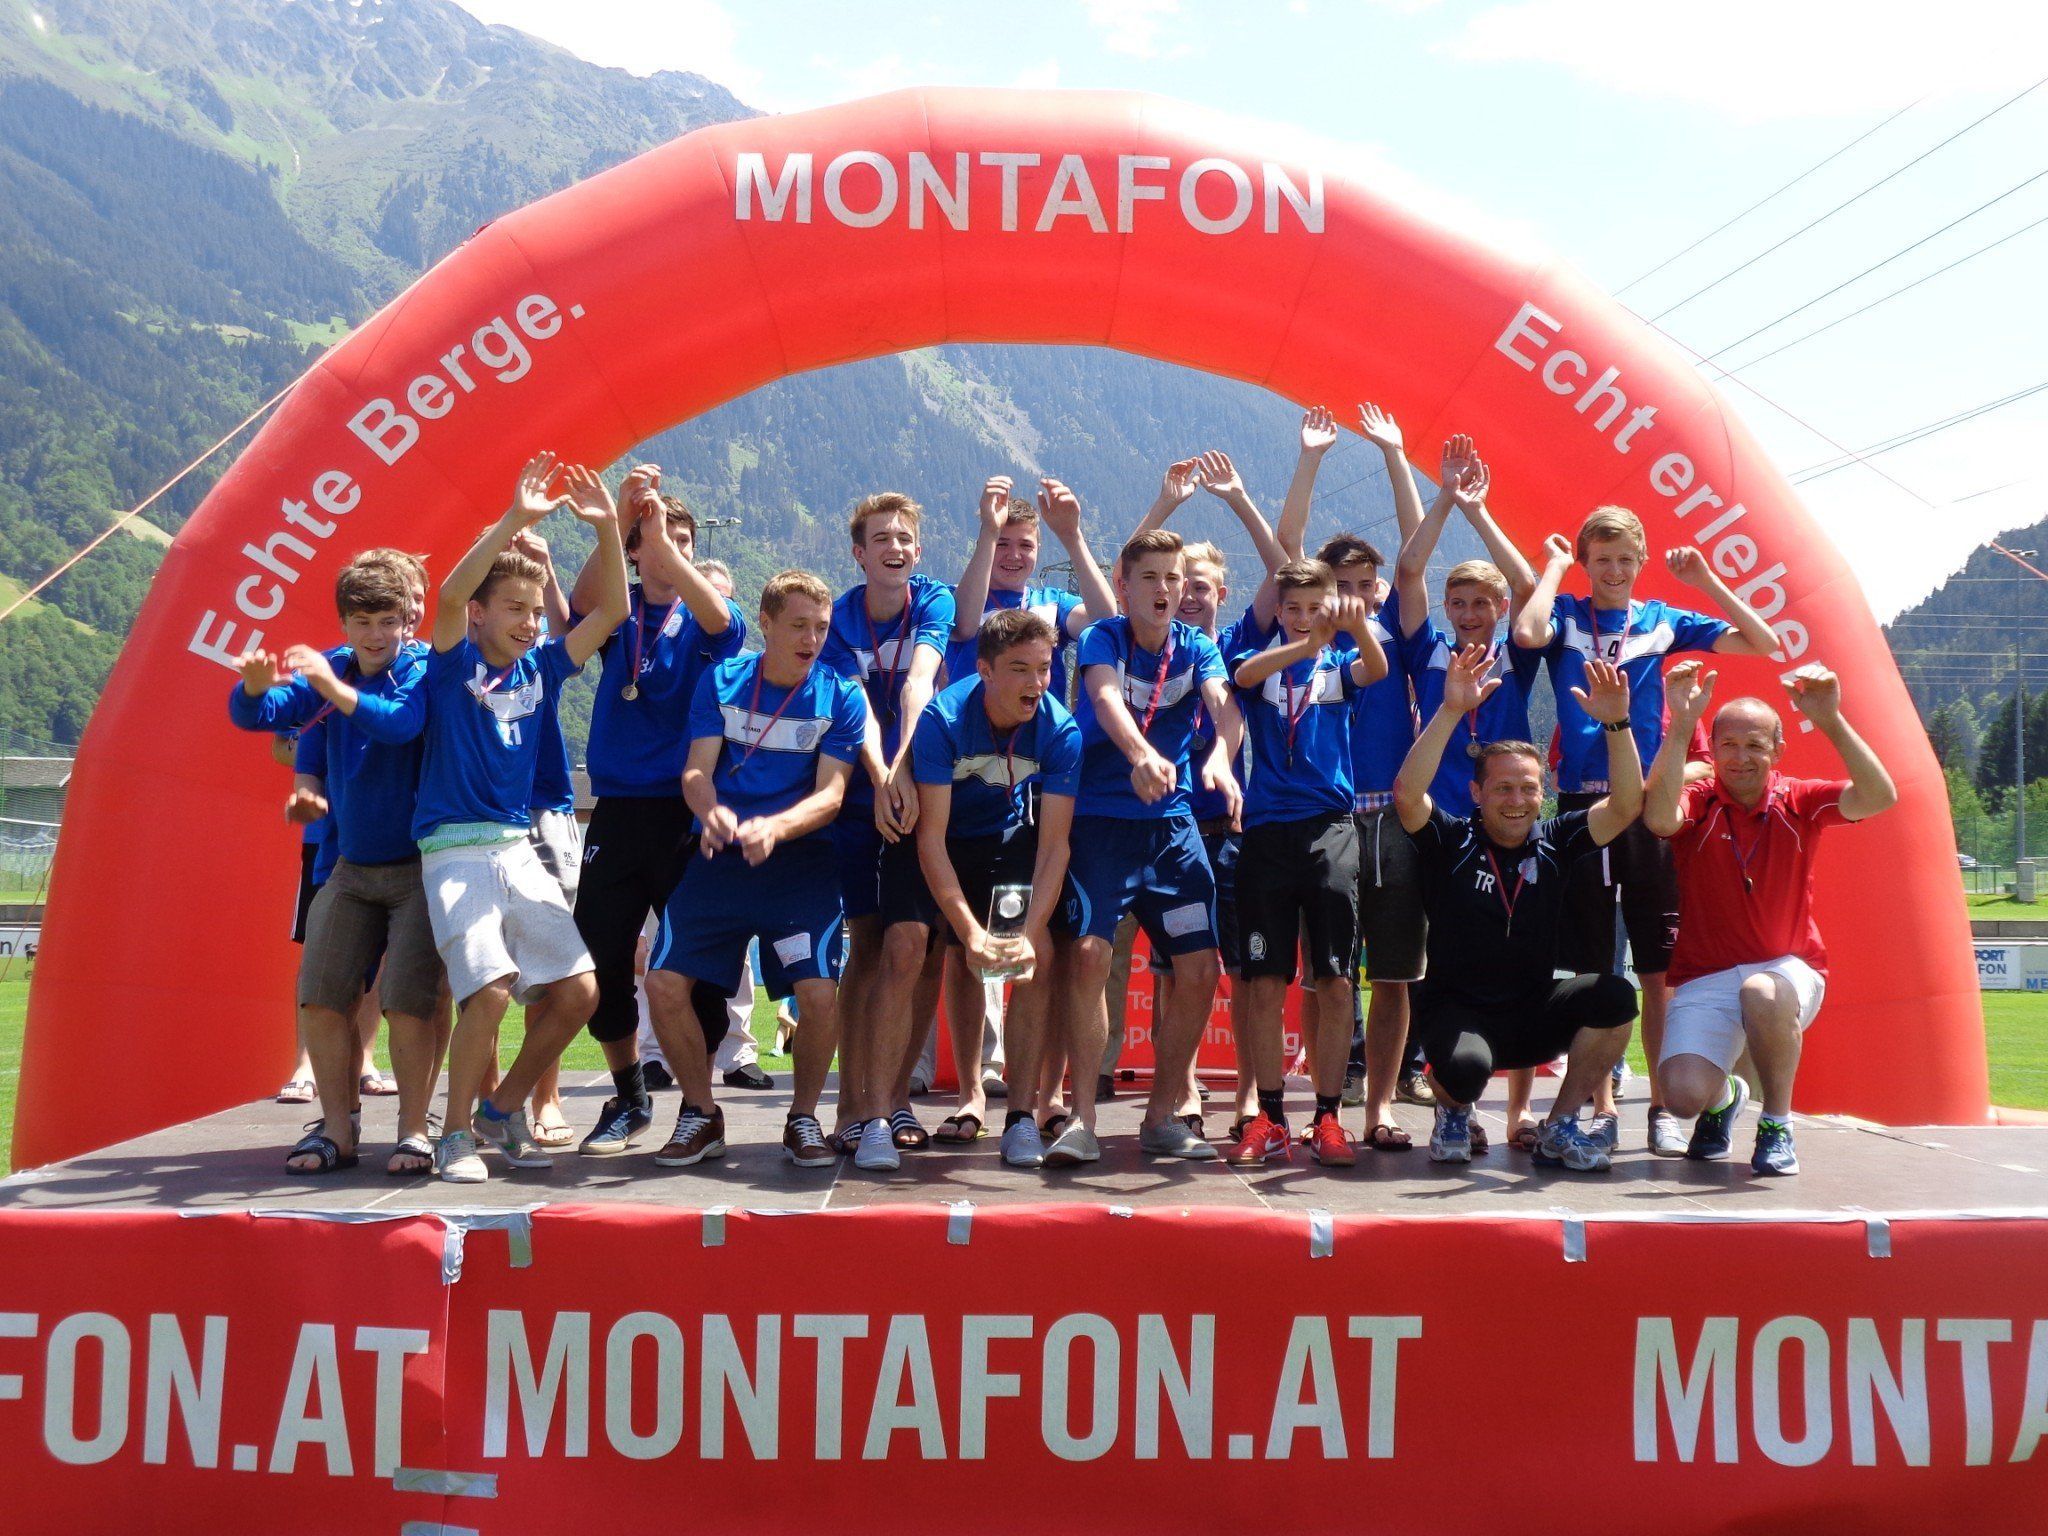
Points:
(1326, 1104)
(1271, 1105)
(1013, 1116)
(631, 1084)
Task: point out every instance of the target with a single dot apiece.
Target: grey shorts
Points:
(497, 912)
(364, 908)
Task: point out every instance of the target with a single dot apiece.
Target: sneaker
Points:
(1023, 1145)
(1450, 1140)
(748, 1076)
(656, 1076)
(1714, 1132)
(1774, 1155)
(618, 1128)
(1074, 1145)
(1175, 1138)
(1561, 1143)
(511, 1135)
(1619, 1079)
(1330, 1144)
(877, 1150)
(804, 1140)
(456, 1160)
(1605, 1131)
(697, 1136)
(1413, 1088)
(1263, 1140)
(1667, 1132)
(1354, 1087)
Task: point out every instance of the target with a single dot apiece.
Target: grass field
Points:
(2016, 1025)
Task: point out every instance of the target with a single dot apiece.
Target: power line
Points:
(1925, 430)
(1816, 223)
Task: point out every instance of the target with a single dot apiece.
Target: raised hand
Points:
(1469, 489)
(310, 664)
(1060, 510)
(1605, 696)
(640, 489)
(1179, 482)
(1557, 549)
(1218, 474)
(1458, 452)
(588, 498)
(528, 542)
(535, 498)
(1688, 565)
(1318, 431)
(259, 671)
(1380, 429)
(1348, 615)
(1466, 685)
(1816, 693)
(994, 507)
(1688, 690)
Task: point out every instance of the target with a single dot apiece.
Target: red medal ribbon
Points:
(1500, 886)
(754, 709)
(1158, 680)
(889, 675)
(636, 638)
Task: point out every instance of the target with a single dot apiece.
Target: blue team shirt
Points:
(1382, 719)
(1210, 804)
(370, 760)
(1105, 771)
(554, 783)
(877, 656)
(770, 737)
(1305, 771)
(956, 743)
(1050, 603)
(1636, 641)
(1503, 717)
(637, 746)
(483, 748)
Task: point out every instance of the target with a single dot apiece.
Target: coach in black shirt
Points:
(1493, 886)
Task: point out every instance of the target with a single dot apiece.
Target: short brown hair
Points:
(1492, 749)
(1205, 553)
(1605, 523)
(675, 512)
(882, 504)
(1153, 541)
(784, 585)
(1300, 575)
(509, 566)
(1008, 628)
(1021, 513)
(368, 585)
(1478, 573)
(413, 566)
(1350, 549)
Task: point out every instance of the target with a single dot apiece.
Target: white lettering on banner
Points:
(171, 1376)
(499, 351)
(1528, 341)
(1213, 195)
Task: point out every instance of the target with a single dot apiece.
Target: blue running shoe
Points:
(1451, 1139)
(619, 1126)
(1713, 1132)
(1562, 1144)
(1774, 1156)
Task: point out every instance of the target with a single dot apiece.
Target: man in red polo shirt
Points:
(1749, 967)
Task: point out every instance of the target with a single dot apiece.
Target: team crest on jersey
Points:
(807, 735)
(508, 706)
(1137, 691)
(994, 769)
(1255, 947)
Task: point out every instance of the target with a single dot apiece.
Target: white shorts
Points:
(1705, 1014)
(496, 911)
(557, 836)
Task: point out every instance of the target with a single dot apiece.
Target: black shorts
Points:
(634, 852)
(1223, 846)
(1391, 924)
(1466, 1042)
(1299, 878)
(309, 855)
(979, 863)
(1639, 863)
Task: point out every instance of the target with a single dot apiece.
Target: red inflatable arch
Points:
(742, 253)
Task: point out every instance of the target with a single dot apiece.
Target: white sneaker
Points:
(513, 1137)
(877, 1152)
(456, 1160)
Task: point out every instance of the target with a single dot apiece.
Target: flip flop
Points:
(1479, 1141)
(412, 1147)
(1525, 1138)
(958, 1130)
(299, 1090)
(554, 1135)
(907, 1133)
(376, 1085)
(331, 1158)
(1388, 1137)
(1053, 1127)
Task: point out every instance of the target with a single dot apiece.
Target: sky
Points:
(1618, 133)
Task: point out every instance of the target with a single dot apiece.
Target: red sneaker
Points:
(1262, 1142)
(1330, 1145)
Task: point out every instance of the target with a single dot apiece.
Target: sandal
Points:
(958, 1130)
(1526, 1136)
(419, 1151)
(907, 1133)
(376, 1085)
(1053, 1126)
(331, 1158)
(299, 1090)
(1388, 1137)
(1479, 1141)
(554, 1136)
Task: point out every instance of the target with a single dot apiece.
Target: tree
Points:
(1994, 770)
(1954, 732)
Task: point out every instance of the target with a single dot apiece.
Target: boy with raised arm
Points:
(1005, 558)
(1494, 886)
(499, 919)
(1612, 625)
(1749, 968)
(1135, 847)
(1297, 871)
(365, 704)
(773, 738)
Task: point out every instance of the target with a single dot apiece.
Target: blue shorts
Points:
(790, 903)
(857, 852)
(1222, 845)
(1155, 869)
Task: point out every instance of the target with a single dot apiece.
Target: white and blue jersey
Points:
(1636, 641)
(554, 783)
(370, 759)
(770, 737)
(1382, 718)
(877, 655)
(484, 734)
(637, 745)
(1298, 723)
(1212, 804)
(1162, 694)
(1503, 717)
(1051, 604)
(991, 772)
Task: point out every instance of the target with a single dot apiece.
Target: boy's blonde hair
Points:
(509, 566)
(882, 504)
(1208, 554)
(1304, 575)
(784, 585)
(1478, 573)
(1153, 541)
(1604, 524)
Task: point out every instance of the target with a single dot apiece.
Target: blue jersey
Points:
(1209, 804)
(554, 782)
(637, 744)
(484, 730)
(878, 655)
(1051, 604)
(1168, 690)
(1503, 717)
(370, 759)
(1298, 722)
(991, 772)
(1382, 719)
(1637, 642)
(770, 737)
(309, 756)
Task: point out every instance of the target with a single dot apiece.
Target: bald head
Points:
(1746, 716)
(1748, 739)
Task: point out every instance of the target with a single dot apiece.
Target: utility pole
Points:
(2019, 747)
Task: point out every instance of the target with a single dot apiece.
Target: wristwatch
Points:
(1613, 725)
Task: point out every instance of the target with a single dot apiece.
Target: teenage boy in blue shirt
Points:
(500, 921)
(773, 739)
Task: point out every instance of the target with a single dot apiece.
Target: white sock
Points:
(1727, 1097)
